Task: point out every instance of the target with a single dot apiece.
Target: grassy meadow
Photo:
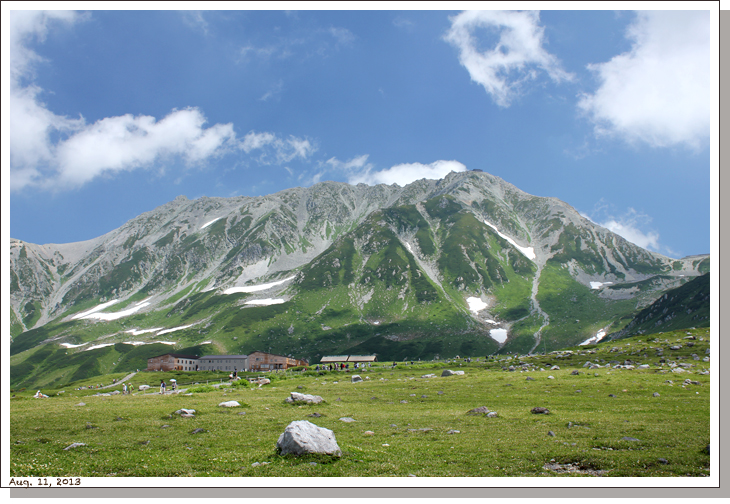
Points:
(413, 420)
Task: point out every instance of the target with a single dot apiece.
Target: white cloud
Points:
(255, 140)
(84, 151)
(195, 20)
(282, 151)
(632, 226)
(629, 231)
(658, 92)
(126, 142)
(514, 60)
(343, 36)
(404, 174)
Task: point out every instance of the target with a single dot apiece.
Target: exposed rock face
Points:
(302, 437)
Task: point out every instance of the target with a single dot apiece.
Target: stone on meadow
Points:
(229, 404)
(296, 397)
(302, 437)
(355, 379)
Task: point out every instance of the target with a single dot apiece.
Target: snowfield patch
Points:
(475, 304)
(528, 252)
(265, 302)
(256, 288)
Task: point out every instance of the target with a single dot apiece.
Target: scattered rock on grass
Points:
(229, 404)
(538, 410)
(347, 419)
(74, 445)
(197, 431)
(296, 397)
(301, 437)
(482, 410)
(356, 378)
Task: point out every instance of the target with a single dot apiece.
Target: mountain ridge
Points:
(363, 259)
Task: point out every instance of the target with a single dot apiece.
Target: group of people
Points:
(163, 387)
(127, 389)
(341, 366)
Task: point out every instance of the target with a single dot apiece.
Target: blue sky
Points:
(113, 113)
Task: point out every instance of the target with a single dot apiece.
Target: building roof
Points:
(275, 355)
(176, 355)
(333, 358)
(223, 357)
(361, 358)
(347, 358)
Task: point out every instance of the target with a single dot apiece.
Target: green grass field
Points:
(413, 420)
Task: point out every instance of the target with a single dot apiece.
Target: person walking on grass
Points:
(124, 388)
(162, 386)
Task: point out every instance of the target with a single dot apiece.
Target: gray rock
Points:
(315, 415)
(296, 397)
(452, 431)
(185, 412)
(197, 431)
(482, 410)
(404, 401)
(492, 414)
(355, 379)
(551, 433)
(575, 372)
(663, 461)
(81, 404)
(429, 376)
(540, 411)
(675, 347)
(423, 396)
(229, 404)
(655, 394)
(554, 368)
(347, 419)
(74, 445)
(301, 437)
(529, 378)
(449, 372)
(628, 438)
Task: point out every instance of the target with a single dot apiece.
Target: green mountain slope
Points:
(467, 265)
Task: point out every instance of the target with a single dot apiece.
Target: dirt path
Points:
(119, 382)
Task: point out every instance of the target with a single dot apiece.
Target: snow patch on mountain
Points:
(180, 328)
(265, 302)
(594, 339)
(476, 304)
(137, 332)
(528, 252)
(116, 315)
(499, 335)
(209, 223)
(598, 285)
(256, 288)
(94, 310)
(69, 345)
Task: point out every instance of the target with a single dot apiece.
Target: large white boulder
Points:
(302, 437)
(356, 378)
(306, 398)
(448, 372)
(229, 404)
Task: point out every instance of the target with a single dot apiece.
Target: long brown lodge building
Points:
(256, 361)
